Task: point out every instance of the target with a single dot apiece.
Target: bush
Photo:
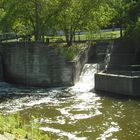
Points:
(69, 52)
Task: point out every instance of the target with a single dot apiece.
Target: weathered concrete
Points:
(120, 84)
(123, 56)
(101, 48)
(1, 65)
(41, 66)
(123, 71)
(1, 69)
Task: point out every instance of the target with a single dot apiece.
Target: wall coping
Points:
(119, 75)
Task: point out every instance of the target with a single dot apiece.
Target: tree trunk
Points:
(37, 23)
(121, 28)
(74, 37)
(43, 38)
(121, 31)
(69, 37)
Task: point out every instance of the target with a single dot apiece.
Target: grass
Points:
(13, 125)
(87, 36)
(81, 37)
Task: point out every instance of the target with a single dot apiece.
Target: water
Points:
(75, 113)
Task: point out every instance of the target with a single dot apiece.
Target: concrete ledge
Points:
(120, 84)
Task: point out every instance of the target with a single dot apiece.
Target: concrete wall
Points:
(40, 66)
(79, 62)
(123, 54)
(97, 51)
(120, 84)
(1, 65)
(1, 70)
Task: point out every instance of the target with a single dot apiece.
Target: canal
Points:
(75, 113)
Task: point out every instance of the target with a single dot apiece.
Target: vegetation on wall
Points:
(70, 52)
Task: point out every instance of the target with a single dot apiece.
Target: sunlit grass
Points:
(13, 125)
(81, 37)
(88, 36)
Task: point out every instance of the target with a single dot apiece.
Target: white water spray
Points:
(86, 82)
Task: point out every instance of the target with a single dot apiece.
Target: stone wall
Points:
(40, 66)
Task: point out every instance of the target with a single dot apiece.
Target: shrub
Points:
(69, 52)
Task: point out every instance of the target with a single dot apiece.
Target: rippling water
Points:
(75, 113)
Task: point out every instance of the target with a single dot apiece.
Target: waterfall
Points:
(28, 97)
(86, 82)
(108, 54)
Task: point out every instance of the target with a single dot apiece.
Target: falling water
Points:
(75, 113)
(86, 82)
(34, 96)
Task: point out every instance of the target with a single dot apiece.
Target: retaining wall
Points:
(120, 84)
(1, 70)
(98, 51)
(41, 66)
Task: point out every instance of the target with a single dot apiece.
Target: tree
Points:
(81, 15)
(133, 22)
(35, 16)
(2, 11)
(29, 15)
(100, 17)
(119, 7)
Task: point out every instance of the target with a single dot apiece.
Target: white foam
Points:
(70, 136)
(86, 82)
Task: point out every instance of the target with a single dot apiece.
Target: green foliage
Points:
(133, 22)
(12, 124)
(77, 15)
(69, 52)
(100, 17)
(133, 32)
(133, 11)
(40, 17)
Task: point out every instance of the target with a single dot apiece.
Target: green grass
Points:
(12, 124)
(83, 37)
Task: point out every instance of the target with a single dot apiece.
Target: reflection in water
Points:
(75, 113)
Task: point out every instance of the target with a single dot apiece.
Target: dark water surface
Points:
(75, 113)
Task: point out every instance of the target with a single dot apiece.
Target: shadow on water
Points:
(117, 96)
(11, 92)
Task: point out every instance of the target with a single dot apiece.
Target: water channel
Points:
(75, 113)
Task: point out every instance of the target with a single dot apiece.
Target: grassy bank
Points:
(12, 126)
